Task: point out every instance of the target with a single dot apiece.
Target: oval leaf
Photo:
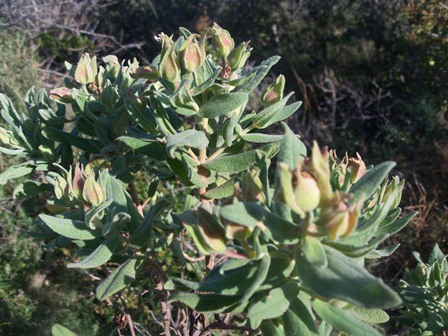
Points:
(100, 256)
(222, 103)
(118, 279)
(342, 319)
(59, 330)
(346, 280)
(69, 228)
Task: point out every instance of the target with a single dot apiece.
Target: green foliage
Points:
(291, 248)
(424, 294)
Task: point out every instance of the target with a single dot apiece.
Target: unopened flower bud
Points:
(274, 92)
(395, 187)
(93, 192)
(238, 56)
(222, 41)
(61, 95)
(149, 72)
(298, 189)
(357, 168)
(319, 167)
(169, 67)
(192, 54)
(337, 218)
(79, 178)
(86, 70)
(253, 187)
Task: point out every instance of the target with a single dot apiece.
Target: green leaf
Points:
(252, 215)
(397, 225)
(369, 183)
(281, 267)
(92, 216)
(141, 237)
(273, 304)
(190, 138)
(15, 172)
(342, 320)
(385, 252)
(69, 228)
(87, 145)
(239, 162)
(260, 277)
(223, 103)
(261, 71)
(346, 280)
(206, 303)
(369, 315)
(31, 188)
(151, 148)
(234, 277)
(298, 320)
(268, 327)
(100, 256)
(314, 252)
(276, 112)
(59, 330)
(116, 192)
(292, 148)
(224, 190)
(119, 278)
(260, 137)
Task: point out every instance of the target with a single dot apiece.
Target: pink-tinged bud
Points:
(86, 70)
(319, 167)
(274, 92)
(79, 179)
(93, 192)
(169, 67)
(337, 218)
(238, 56)
(149, 72)
(61, 95)
(357, 168)
(166, 41)
(191, 54)
(222, 41)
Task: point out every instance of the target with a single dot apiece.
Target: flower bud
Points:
(298, 189)
(357, 168)
(169, 67)
(149, 72)
(86, 70)
(239, 56)
(274, 92)
(191, 54)
(222, 41)
(338, 218)
(61, 95)
(395, 186)
(319, 167)
(253, 187)
(93, 192)
(79, 178)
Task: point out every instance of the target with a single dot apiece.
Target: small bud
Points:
(357, 168)
(395, 185)
(238, 56)
(298, 189)
(61, 95)
(86, 70)
(319, 167)
(79, 178)
(169, 67)
(93, 192)
(253, 187)
(60, 187)
(274, 92)
(337, 218)
(191, 54)
(149, 72)
(222, 41)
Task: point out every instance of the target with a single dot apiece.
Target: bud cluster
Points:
(308, 187)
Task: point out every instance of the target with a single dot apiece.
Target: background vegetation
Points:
(372, 75)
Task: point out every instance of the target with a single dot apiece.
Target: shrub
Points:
(219, 231)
